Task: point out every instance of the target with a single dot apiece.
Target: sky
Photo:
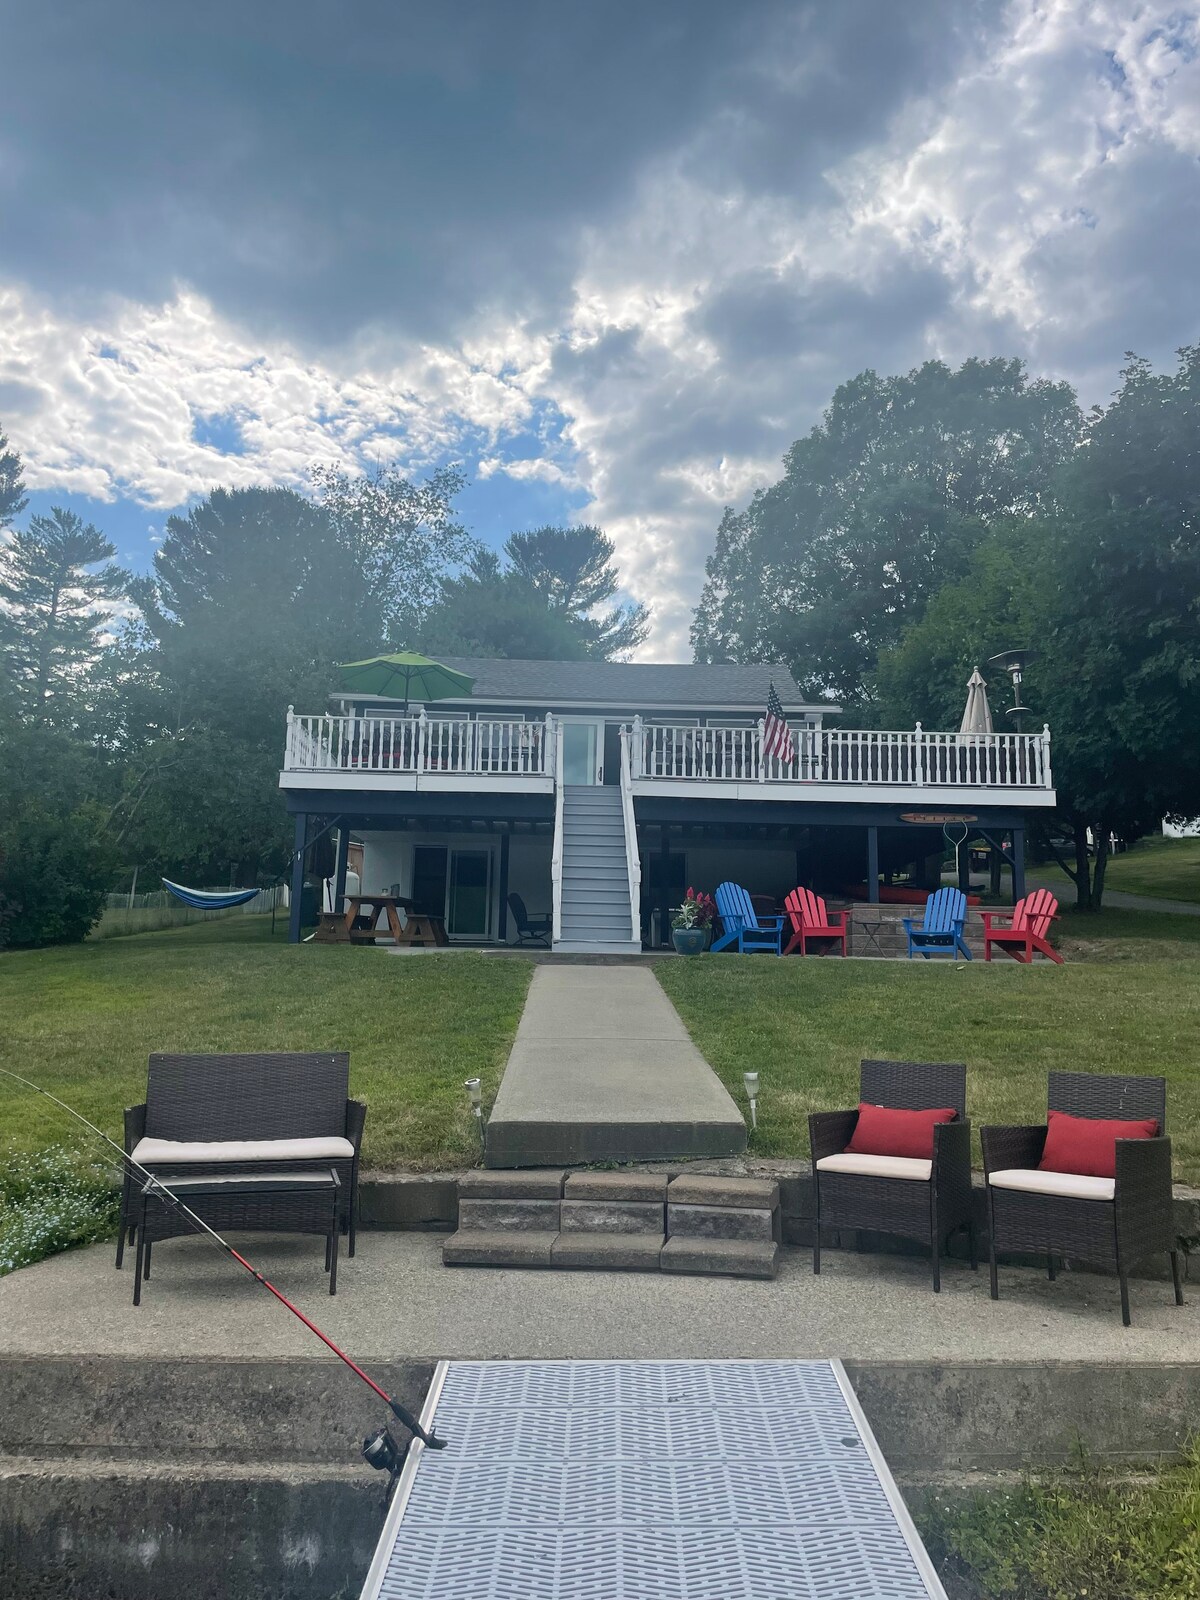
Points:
(611, 257)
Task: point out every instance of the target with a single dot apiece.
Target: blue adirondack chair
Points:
(742, 924)
(941, 931)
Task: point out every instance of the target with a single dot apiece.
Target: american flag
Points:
(777, 736)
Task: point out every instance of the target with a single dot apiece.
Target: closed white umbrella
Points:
(977, 718)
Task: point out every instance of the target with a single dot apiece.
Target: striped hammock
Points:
(210, 899)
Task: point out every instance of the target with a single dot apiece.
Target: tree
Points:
(573, 570)
(1107, 587)
(12, 484)
(57, 584)
(488, 611)
(879, 507)
(402, 537)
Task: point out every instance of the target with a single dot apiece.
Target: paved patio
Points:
(395, 1300)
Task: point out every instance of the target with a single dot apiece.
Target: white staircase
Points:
(596, 915)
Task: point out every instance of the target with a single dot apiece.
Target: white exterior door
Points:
(583, 751)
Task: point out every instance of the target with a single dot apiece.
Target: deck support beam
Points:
(297, 889)
(343, 858)
(502, 917)
(873, 865)
(1018, 864)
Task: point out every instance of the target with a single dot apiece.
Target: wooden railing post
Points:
(919, 754)
(762, 752)
(638, 753)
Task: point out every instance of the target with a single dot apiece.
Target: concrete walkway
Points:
(603, 1069)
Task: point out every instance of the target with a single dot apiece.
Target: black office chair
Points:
(530, 930)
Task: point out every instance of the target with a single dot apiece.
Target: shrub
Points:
(50, 1201)
(54, 878)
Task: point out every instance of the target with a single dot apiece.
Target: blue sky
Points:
(611, 258)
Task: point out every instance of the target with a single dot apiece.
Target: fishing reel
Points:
(385, 1453)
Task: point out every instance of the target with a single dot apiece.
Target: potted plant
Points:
(691, 922)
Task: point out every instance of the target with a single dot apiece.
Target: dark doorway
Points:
(612, 752)
(663, 886)
(429, 880)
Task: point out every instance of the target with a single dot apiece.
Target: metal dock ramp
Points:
(648, 1480)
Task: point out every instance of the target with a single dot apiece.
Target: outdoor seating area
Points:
(270, 1143)
(279, 1131)
(949, 926)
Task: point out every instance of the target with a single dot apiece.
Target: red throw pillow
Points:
(886, 1131)
(1088, 1145)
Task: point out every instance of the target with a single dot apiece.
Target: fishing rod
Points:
(381, 1449)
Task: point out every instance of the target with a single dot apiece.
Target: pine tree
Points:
(57, 578)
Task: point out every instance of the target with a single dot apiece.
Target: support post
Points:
(297, 878)
(502, 918)
(343, 858)
(664, 894)
(1018, 868)
(873, 865)
(964, 865)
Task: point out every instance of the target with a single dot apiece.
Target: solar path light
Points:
(750, 1079)
(474, 1088)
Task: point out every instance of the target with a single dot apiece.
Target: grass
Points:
(804, 1025)
(1168, 869)
(82, 1020)
(1077, 1534)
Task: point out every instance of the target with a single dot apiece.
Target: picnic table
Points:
(417, 928)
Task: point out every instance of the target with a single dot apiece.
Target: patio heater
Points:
(1014, 663)
(750, 1080)
(474, 1088)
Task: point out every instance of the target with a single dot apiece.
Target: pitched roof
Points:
(630, 685)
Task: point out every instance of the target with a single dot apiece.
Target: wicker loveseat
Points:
(245, 1113)
(920, 1200)
(1110, 1222)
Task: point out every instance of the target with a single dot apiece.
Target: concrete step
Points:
(615, 1186)
(701, 1189)
(597, 948)
(728, 1258)
(484, 1185)
(474, 1247)
(608, 1252)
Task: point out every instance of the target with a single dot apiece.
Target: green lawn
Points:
(82, 1020)
(1134, 1006)
(1167, 868)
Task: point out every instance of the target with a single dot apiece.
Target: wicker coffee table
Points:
(253, 1202)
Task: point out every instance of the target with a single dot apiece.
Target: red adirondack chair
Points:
(810, 920)
(1028, 924)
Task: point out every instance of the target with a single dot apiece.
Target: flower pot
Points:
(689, 941)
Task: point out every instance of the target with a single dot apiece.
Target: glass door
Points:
(583, 753)
(469, 894)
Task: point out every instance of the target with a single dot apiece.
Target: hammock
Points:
(210, 899)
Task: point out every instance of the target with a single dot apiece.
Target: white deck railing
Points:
(843, 756)
(418, 744)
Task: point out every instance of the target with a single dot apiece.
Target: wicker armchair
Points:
(245, 1113)
(1119, 1222)
(928, 1207)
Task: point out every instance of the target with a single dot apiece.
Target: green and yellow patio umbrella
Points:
(404, 675)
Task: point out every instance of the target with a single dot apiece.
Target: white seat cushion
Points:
(1069, 1185)
(878, 1166)
(151, 1151)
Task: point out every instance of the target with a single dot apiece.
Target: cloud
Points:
(615, 254)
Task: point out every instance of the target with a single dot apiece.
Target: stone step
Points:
(720, 1222)
(476, 1247)
(616, 1216)
(608, 1252)
(484, 1185)
(702, 1189)
(508, 1216)
(730, 1258)
(616, 1186)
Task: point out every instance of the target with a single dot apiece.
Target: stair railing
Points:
(633, 864)
(556, 858)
